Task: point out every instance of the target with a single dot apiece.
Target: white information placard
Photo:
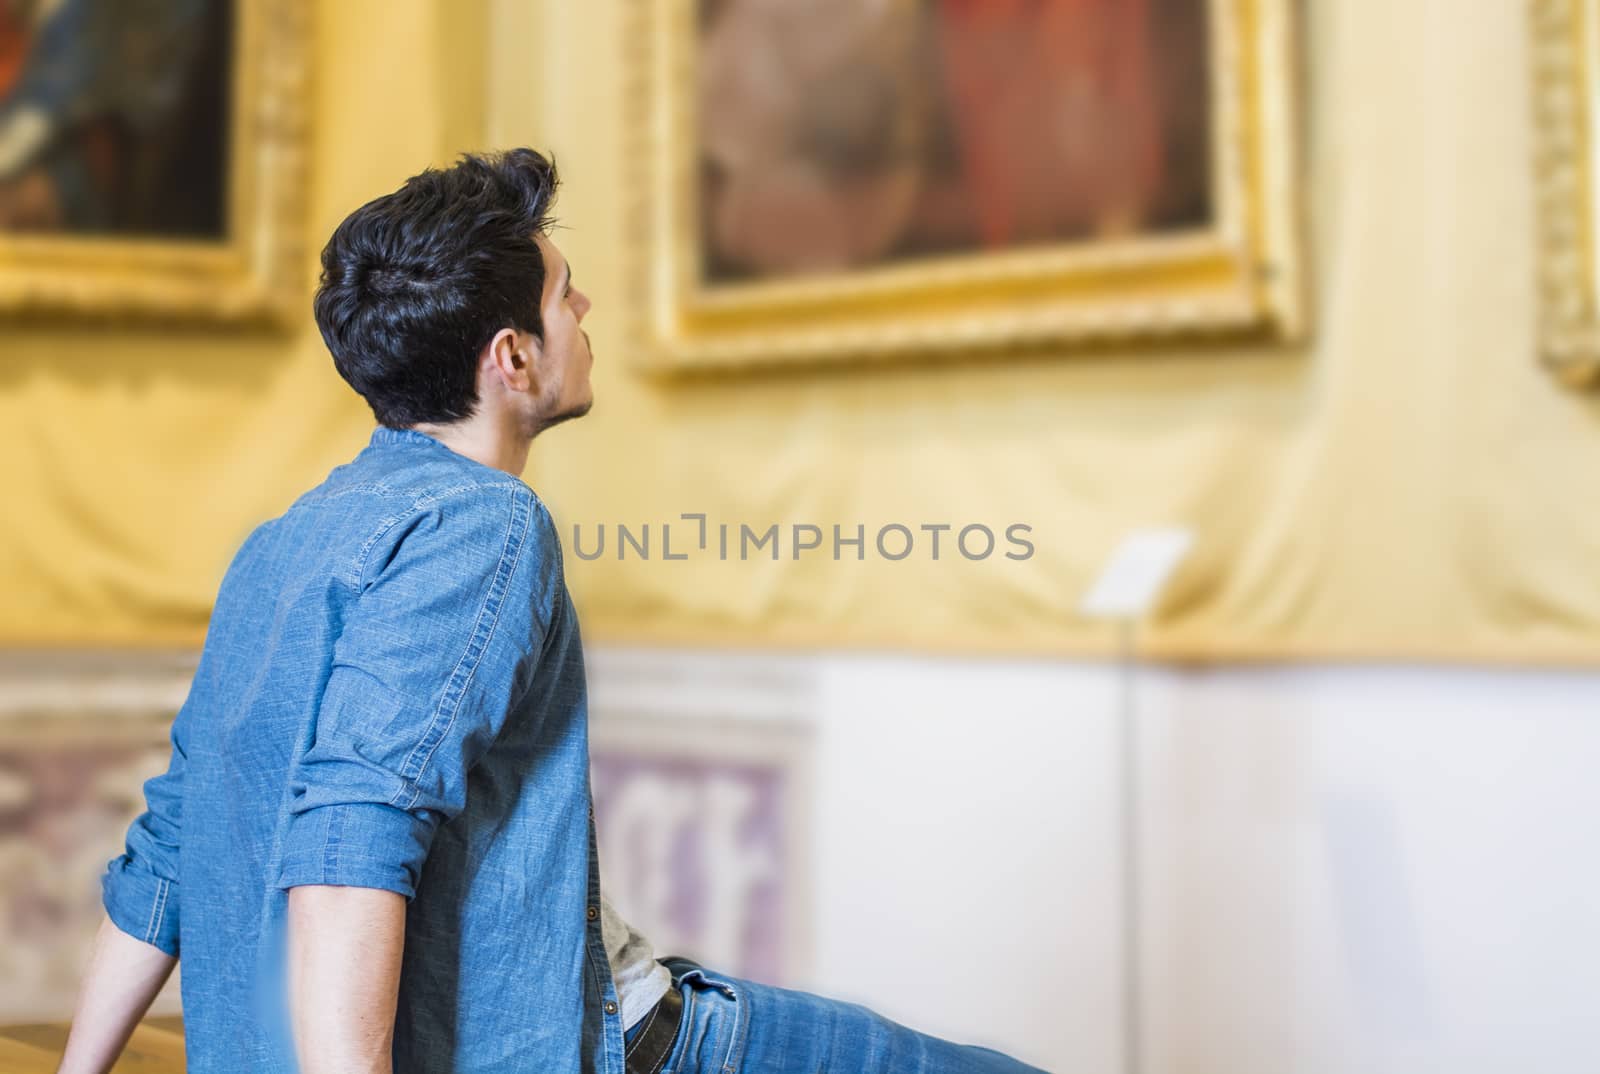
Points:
(1138, 571)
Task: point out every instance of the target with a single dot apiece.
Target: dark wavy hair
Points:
(415, 283)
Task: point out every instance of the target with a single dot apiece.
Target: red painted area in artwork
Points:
(13, 47)
(1056, 110)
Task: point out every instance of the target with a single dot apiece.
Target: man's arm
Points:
(137, 945)
(344, 976)
(122, 979)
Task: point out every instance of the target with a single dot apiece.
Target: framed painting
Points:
(152, 157)
(80, 733)
(1566, 71)
(832, 179)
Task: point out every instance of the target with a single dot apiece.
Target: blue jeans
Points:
(732, 1026)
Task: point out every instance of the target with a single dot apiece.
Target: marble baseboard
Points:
(703, 799)
(80, 732)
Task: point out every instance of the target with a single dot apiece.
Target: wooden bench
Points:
(155, 1048)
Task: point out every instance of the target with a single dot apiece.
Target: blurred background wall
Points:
(144, 473)
(1402, 485)
(1371, 703)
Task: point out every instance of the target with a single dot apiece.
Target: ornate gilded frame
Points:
(1566, 79)
(1241, 275)
(256, 273)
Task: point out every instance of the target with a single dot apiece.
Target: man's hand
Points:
(123, 977)
(344, 977)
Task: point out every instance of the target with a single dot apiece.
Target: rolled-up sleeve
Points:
(441, 642)
(140, 886)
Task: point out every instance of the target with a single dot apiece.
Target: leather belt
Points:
(649, 1050)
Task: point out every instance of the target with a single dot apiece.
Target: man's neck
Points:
(496, 444)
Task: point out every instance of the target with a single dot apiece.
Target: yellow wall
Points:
(1409, 485)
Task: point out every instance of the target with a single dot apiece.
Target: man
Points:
(374, 844)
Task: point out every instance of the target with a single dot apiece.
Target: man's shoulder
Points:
(393, 489)
(486, 516)
(360, 514)
(478, 514)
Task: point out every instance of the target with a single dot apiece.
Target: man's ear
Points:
(510, 354)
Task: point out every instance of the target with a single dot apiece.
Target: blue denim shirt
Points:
(391, 695)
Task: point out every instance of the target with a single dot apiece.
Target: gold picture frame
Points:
(1240, 275)
(1566, 79)
(255, 273)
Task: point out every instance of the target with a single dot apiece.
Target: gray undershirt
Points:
(640, 980)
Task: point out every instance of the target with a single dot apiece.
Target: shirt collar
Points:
(385, 434)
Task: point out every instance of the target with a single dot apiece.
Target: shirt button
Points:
(593, 913)
(611, 1008)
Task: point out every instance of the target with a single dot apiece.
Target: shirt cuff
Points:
(356, 844)
(141, 904)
